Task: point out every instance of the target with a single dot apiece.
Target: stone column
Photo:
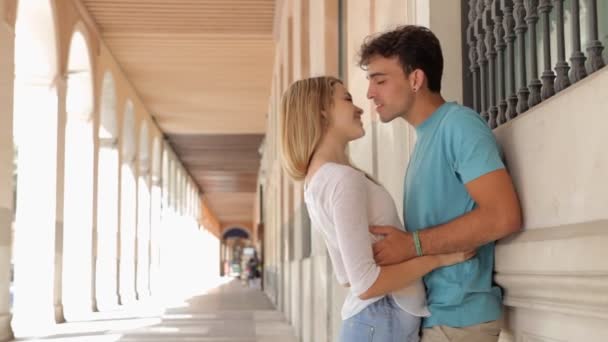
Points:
(37, 206)
(36, 107)
(77, 149)
(143, 235)
(155, 238)
(108, 184)
(94, 210)
(7, 55)
(128, 222)
(59, 226)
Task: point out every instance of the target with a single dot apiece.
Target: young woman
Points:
(384, 303)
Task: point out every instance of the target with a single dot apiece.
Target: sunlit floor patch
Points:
(228, 312)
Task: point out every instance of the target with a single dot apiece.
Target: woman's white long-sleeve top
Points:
(342, 203)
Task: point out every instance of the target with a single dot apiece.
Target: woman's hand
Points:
(454, 258)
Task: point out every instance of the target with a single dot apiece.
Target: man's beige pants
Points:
(485, 332)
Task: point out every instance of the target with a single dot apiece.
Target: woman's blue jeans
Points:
(382, 321)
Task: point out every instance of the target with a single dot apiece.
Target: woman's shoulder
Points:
(330, 173)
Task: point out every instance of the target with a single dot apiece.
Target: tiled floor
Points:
(228, 313)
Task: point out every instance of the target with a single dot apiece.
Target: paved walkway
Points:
(227, 313)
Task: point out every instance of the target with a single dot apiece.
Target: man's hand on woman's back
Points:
(397, 245)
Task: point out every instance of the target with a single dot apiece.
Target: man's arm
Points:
(497, 215)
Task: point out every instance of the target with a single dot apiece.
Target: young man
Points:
(458, 195)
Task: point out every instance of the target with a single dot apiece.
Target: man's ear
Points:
(417, 79)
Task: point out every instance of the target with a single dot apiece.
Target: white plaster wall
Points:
(358, 27)
(338, 295)
(298, 228)
(321, 281)
(287, 289)
(557, 156)
(554, 273)
(301, 54)
(7, 53)
(317, 42)
(307, 301)
(6, 168)
(445, 23)
(296, 297)
(553, 327)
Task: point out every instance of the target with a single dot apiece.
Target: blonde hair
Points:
(301, 121)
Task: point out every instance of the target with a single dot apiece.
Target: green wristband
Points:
(417, 243)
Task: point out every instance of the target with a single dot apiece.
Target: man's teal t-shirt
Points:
(454, 146)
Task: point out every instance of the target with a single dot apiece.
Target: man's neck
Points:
(426, 104)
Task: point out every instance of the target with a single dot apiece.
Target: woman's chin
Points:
(358, 136)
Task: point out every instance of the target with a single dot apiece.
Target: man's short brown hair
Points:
(415, 46)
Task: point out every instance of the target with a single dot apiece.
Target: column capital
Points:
(157, 180)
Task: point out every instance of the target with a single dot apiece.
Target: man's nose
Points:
(370, 93)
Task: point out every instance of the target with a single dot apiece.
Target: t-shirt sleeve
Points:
(349, 214)
(473, 149)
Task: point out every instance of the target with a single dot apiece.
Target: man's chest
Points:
(428, 166)
(432, 190)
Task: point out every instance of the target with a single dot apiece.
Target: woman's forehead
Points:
(340, 89)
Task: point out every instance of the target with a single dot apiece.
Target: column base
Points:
(127, 299)
(94, 307)
(143, 295)
(107, 303)
(6, 332)
(59, 316)
(75, 311)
